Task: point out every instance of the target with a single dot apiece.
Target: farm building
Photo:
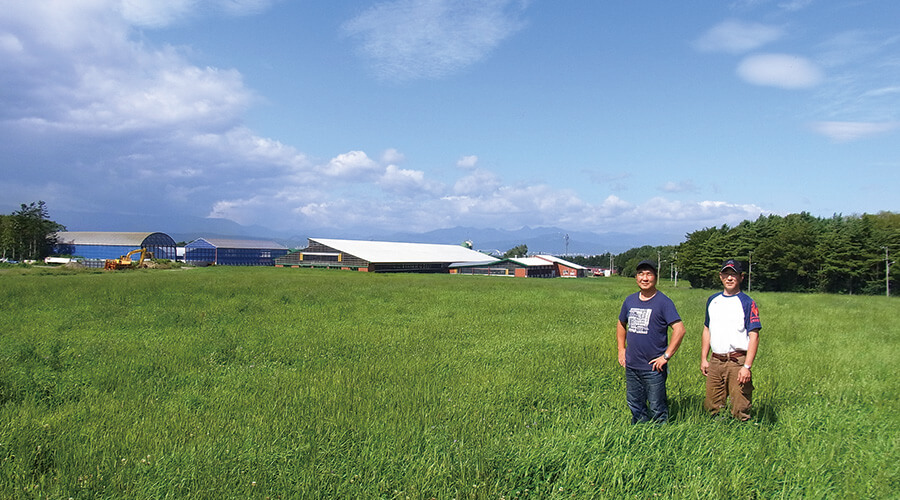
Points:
(522, 267)
(565, 268)
(379, 256)
(99, 246)
(228, 252)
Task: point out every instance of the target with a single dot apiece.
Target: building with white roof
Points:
(521, 267)
(380, 256)
(565, 268)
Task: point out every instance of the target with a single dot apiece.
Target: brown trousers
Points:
(721, 382)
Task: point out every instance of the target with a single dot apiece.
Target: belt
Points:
(731, 356)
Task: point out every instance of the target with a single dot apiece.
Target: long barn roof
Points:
(102, 238)
(239, 244)
(564, 262)
(391, 252)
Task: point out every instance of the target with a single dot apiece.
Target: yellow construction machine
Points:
(126, 262)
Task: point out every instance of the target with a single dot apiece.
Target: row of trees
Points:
(798, 252)
(793, 253)
(28, 233)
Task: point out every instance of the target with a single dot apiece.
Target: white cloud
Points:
(851, 131)
(863, 70)
(347, 165)
(176, 94)
(10, 44)
(156, 13)
(392, 156)
(881, 92)
(780, 70)
(78, 71)
(477, 182)
(679, 187)
(240, 148)
(404, 181)
(735, 37)
(159, 13)
(467, 162)
(662, 214)
(413, 39)
(795, 5)
(243, 7)
(171, 134)
(240, 211)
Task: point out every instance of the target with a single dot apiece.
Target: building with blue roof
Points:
(230, 252)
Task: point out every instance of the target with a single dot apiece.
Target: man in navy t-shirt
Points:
(644, 347)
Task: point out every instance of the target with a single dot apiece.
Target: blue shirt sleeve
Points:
(751, 314)
(706, 318)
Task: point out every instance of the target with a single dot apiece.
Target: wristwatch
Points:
(747, 366)
(666, 356)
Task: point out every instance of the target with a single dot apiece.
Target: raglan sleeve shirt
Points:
(730, 319)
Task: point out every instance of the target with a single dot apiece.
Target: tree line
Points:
(28, 233)
(799, 252)
(792, 253)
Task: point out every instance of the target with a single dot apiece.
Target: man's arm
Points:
(704, 351)
(677, 336)
(744, 375)
(620, 340)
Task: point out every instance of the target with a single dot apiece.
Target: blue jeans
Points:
(646, 386)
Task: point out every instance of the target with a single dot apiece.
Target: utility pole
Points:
(675, 263)
(750, 273)
(567, 244)
(887, 272)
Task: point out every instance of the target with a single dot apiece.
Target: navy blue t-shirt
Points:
(647, 329)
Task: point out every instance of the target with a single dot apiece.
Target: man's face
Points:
(731, 280)
(646, 279)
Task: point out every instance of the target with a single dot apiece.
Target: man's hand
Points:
(622, 357)
(704, 367)
(659, 363)
(744, 375)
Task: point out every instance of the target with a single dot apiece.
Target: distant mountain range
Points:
(547, 240)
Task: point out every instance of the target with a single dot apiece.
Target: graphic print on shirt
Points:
(639, 320)
(754, 313)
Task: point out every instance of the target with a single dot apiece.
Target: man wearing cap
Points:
(644, 347)
(731, 332)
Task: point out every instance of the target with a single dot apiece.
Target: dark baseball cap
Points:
(647, 263)
(733, 265)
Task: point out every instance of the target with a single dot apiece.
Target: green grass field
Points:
(288, 383)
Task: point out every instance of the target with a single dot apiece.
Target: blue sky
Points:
(373, 117)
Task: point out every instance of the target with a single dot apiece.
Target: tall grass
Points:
(285, 383)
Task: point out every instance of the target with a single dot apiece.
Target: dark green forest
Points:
(792, 253)
(28, 233)
(799, 252)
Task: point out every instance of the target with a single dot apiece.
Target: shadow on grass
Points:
(764, 413)
(690, 408)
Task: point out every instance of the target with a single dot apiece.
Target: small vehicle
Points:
(126, 262)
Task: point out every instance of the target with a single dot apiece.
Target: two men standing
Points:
(730, 331)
